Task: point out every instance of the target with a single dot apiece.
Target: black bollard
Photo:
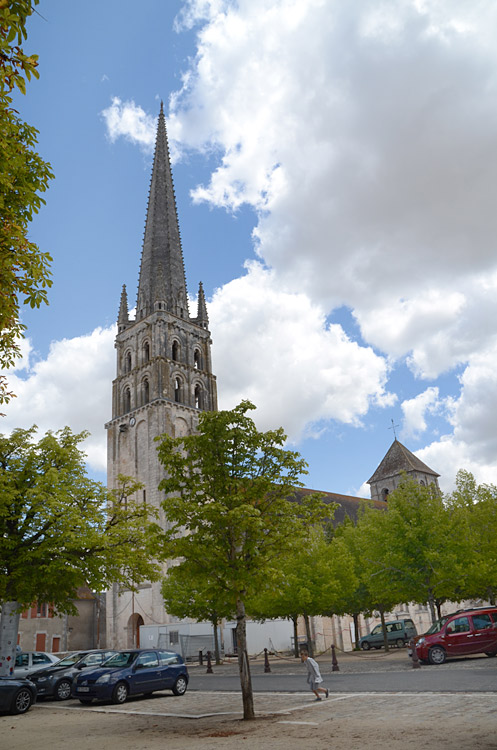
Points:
(335, 667)
(414, 655)
(267, 668)
(209, 663)
(200, 657)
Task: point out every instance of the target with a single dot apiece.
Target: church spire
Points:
(162, 241)
(123, 317)
(202, 317)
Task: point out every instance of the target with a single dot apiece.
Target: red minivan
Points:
(465, 632)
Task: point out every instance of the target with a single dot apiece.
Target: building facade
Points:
(164, 378)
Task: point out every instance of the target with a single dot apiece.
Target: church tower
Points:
(397, 462)
(164, 376)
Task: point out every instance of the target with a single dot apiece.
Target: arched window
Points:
(175, 351)
(127, 362)
(197, 360)
(198, 397)
(127, 400)
(177, 390)
(146, 392)
(384, 494)
(146, 351)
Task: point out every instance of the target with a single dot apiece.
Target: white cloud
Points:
(415, 410)
(274, 347)
(130, 121)
(361, 132)
(72, 386)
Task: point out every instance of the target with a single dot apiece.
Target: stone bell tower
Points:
(164, 376)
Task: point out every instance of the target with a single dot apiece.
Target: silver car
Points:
(28, 662)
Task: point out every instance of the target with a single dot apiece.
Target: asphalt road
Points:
(461, 676)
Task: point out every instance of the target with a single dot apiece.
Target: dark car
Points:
(465, 632)
(131, 673)
(17, 695)
(399, 632)
(56, 681)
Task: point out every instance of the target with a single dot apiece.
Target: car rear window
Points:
(482, 621)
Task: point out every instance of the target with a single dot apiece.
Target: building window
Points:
(173, 637)
(197, 360)
(384, 494)
(177, 390)
(42, 610)
(146, 352)
(198, 397)
(127, 362)
(175, 351)
(146, 392)
(127, 400)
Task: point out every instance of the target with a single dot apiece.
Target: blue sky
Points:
(335, 175)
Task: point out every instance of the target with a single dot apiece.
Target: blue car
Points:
(131, 673)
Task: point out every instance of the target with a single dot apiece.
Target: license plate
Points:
(83, 690)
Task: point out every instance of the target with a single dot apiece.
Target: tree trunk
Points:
(9, 627)
(308, 635)
(217, 655)
(439, 608)
(295, 619)
(384, 629)
(431, 604)
(243, 662)
(357, 631)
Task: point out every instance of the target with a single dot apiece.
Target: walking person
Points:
(313, 675)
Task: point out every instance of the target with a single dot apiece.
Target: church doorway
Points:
(134, 623)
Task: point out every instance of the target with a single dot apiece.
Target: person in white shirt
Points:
(313, 675)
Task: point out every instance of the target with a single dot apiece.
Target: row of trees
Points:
(243, 544)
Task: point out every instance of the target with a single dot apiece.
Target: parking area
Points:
(207, 720)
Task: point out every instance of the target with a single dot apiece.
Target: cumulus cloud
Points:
(274, 347)
(70, 387)
(415, 410)
(360, 133)
(128, 120)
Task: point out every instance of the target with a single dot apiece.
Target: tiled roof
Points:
(399, 459)
(347, 505)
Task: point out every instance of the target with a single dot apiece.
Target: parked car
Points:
(399, 632)
(56, 680)
(17, 695)
(131, 673)
(28, 662)
(465, 632)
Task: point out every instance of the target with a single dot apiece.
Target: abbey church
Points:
(164, 379)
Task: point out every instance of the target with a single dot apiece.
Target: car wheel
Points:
(85, 701)
(179, 687)
(490, 653)
(365, 646)
(436, 655)
(63, 690)
(400, 643)
(120, 693)
(22, 701)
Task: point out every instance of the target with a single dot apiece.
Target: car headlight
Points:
(103, 678)
(420, 641)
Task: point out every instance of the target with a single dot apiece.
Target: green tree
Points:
(414, 551)
(475, 508)
(229, 506)
(24, 270)
(59, 529)
(189, 591)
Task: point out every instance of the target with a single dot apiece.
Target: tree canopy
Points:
(231, 510)
(24, 176)
(59, 529)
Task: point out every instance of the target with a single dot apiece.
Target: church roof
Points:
(398, 459)
(162, 272)
(347, 504)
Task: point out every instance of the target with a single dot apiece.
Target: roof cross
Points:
(393, 428)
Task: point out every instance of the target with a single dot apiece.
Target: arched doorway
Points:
(134, 623)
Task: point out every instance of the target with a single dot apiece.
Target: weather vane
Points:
(393, 428)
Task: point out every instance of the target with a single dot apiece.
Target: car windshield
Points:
(68, 661)
(437, 626)
(124, 659)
